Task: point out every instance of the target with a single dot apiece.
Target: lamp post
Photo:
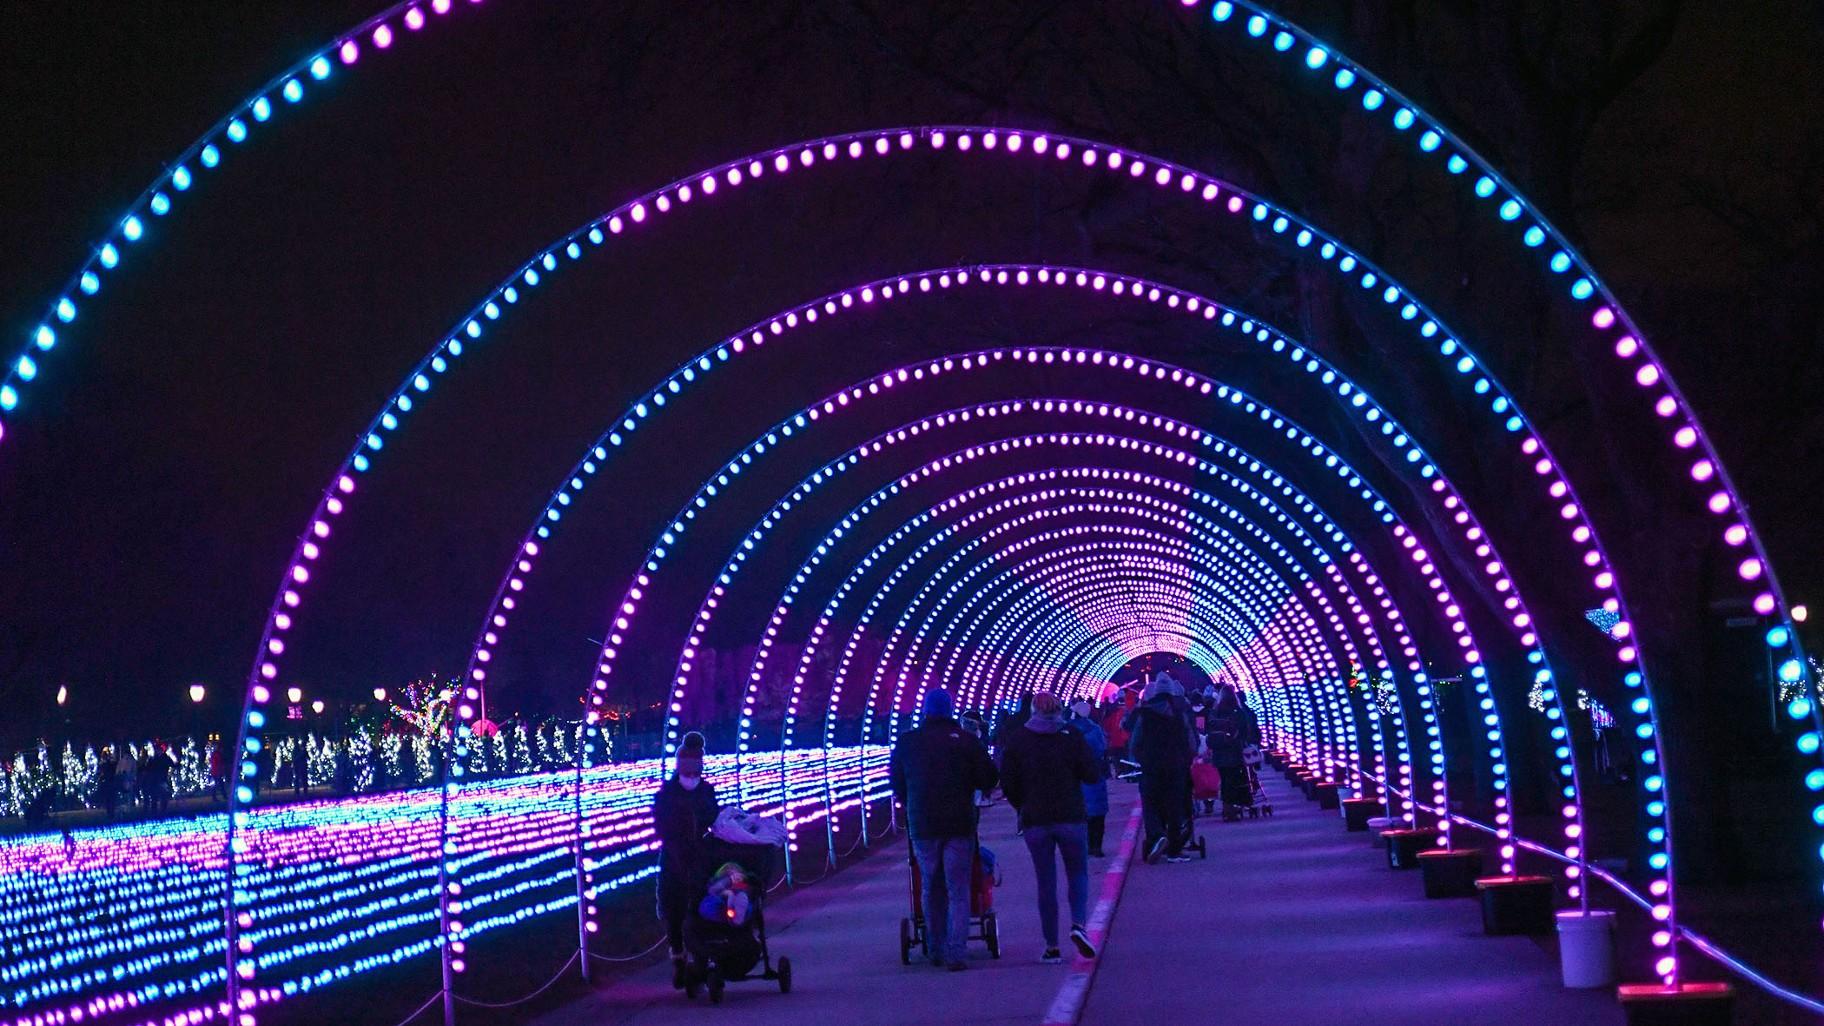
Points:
(63, 708)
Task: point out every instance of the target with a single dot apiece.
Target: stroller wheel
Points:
(785, 975)
(991, 934)
(715, 986)
(1203, 848)
(905, 941)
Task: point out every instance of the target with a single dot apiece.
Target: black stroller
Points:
(719, 952)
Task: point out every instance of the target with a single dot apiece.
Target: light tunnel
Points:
(994, 520)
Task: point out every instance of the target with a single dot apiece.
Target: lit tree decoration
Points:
(1535, 698)
(521, 748)
(1604, 621)
(360, 761)
(391, 754)
(1386, 695)
(192, 774)
(321, 761)
(73, 784)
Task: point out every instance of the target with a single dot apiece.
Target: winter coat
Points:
(936, 769)
(680, 817)
(1161, 735)
(1095, 796)
(1223, 733)
(1044, 770)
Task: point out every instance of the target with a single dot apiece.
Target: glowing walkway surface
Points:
(1294, 920)
(1290, 919)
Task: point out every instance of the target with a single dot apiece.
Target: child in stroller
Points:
(726, 939)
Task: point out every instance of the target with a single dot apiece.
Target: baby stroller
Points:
(718, 951)
(1191, 840)
(983, 924)
(1258, 805)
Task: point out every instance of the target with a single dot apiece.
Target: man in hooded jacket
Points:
(936, 769)
(1163, 743)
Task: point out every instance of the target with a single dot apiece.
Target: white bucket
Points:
(1586, 948)
(1376, 824)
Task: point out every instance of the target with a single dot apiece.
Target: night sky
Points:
(153, 483)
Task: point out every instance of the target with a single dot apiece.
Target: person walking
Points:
(1223, 734)
(218, 769)
(1095, 796)
(155, 780)
(685, 807)
(106, 787)
(936, 769)
(126, 775)
(1044, 770)
(1161, 742)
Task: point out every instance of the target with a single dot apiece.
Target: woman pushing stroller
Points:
(685, 807)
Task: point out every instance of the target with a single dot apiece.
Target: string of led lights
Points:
(1628, 345)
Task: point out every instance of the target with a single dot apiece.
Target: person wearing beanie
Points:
(1044, 770)
(936, 769)
(1095, 796)
(1162, 742)
(683, 810)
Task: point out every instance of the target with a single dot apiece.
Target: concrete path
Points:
(1294, 920)
(1290, 919)
(843, 941)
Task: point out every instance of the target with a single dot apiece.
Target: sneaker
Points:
(957, 967)
(1178, 858)
(1080, 937)
(679, 974)
(1052, 956)
(1153, 853)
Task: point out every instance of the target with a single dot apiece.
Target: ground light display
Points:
(1003, 386)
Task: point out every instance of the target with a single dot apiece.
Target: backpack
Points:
(1224, 738)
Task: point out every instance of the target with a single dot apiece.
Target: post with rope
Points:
(582, 863)
(829, 814)
(446, 850)
(785, 811)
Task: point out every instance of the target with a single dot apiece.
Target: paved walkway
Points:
(1290, 919)
(843, 941)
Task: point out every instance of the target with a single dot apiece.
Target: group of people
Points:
(1167, 732)
(146, 781)
(1053, 771)
(1050, 761)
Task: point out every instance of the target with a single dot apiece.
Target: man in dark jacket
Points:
(936, 770)
(1162, 743)
(684, 808)
(1044, 769)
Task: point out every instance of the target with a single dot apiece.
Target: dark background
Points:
(154, 480)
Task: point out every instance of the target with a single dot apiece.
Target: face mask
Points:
(689, 783)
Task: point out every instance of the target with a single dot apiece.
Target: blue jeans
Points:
(1071, 840)
(944, 865)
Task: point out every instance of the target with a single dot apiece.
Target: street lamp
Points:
(379, 694)
(63, 694)
(295, 694)
(196, 694)
(317, 707)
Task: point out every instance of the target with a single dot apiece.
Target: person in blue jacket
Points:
(1095, 796)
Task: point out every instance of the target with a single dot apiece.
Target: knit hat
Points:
(1081, 707)
(690, 756)
(937, 705)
